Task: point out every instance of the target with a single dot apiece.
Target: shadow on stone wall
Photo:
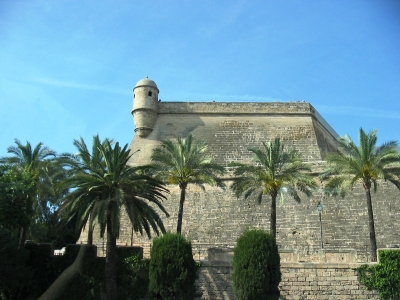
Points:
(331, 276)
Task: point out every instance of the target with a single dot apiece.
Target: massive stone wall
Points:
(215, 217)
(230, 128)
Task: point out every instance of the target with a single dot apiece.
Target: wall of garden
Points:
(300, 281)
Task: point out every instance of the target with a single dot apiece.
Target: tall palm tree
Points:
(185, 162)
(32, 160)
(364, 164)
(276, 169)
(106, 185)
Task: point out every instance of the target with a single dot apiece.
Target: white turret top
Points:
(146, 82)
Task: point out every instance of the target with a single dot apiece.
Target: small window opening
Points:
(133, 95)
(150, 93)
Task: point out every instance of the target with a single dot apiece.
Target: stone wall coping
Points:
(246, 108)
(340, 250)
(318, 265)
(236, 108)
(288, 265)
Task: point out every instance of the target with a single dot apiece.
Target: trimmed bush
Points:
(172, 268)
(256, 266)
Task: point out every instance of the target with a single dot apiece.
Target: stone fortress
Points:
(215, 218)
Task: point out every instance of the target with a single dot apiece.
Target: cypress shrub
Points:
(256, 266)
(172, 268)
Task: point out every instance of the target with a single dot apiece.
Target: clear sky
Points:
(67, 68)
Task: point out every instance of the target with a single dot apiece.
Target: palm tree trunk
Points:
(111, 263)
(90, 231)
(273, 215)
(22, 238)
(180, 212)
(90, 236)
(371, 224)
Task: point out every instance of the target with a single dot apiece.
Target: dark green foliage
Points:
(133, 273)
(89, 283)
(125, 252)
(383, 277)
(39, 259)
(13, 273)
(28, 272)
(256, 266)
(172, 268)
(16, 188)
(133, 278)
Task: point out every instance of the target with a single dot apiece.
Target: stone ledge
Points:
(317, 265)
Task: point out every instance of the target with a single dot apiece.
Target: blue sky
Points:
(67, 68)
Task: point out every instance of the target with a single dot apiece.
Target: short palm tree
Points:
(364, 164)
(185, 162)
(34, 161)
(100, 189)
(276, 169)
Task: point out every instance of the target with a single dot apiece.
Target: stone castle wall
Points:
(216, 217)
(230, 128)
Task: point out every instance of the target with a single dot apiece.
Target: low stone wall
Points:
(300, 281)
(327, 275)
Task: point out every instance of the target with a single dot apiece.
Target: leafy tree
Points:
(14, 274)
(103, 188)
(185, 162)
(275, 169)
(364, 164)
(31, 161)
(256, 266)
(383, 277)
(16, 192)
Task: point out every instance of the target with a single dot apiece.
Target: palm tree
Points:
(275, 170)
(84, 161)
(183, 163)
(364, 164)
(102, 188)
(34, 161)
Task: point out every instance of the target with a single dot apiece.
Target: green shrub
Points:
(383, 277)
(132, 273)
(256, 266)
(133, 278)
(172, 268)
(14, 275)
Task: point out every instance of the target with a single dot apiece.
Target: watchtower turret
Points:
(145, 106)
